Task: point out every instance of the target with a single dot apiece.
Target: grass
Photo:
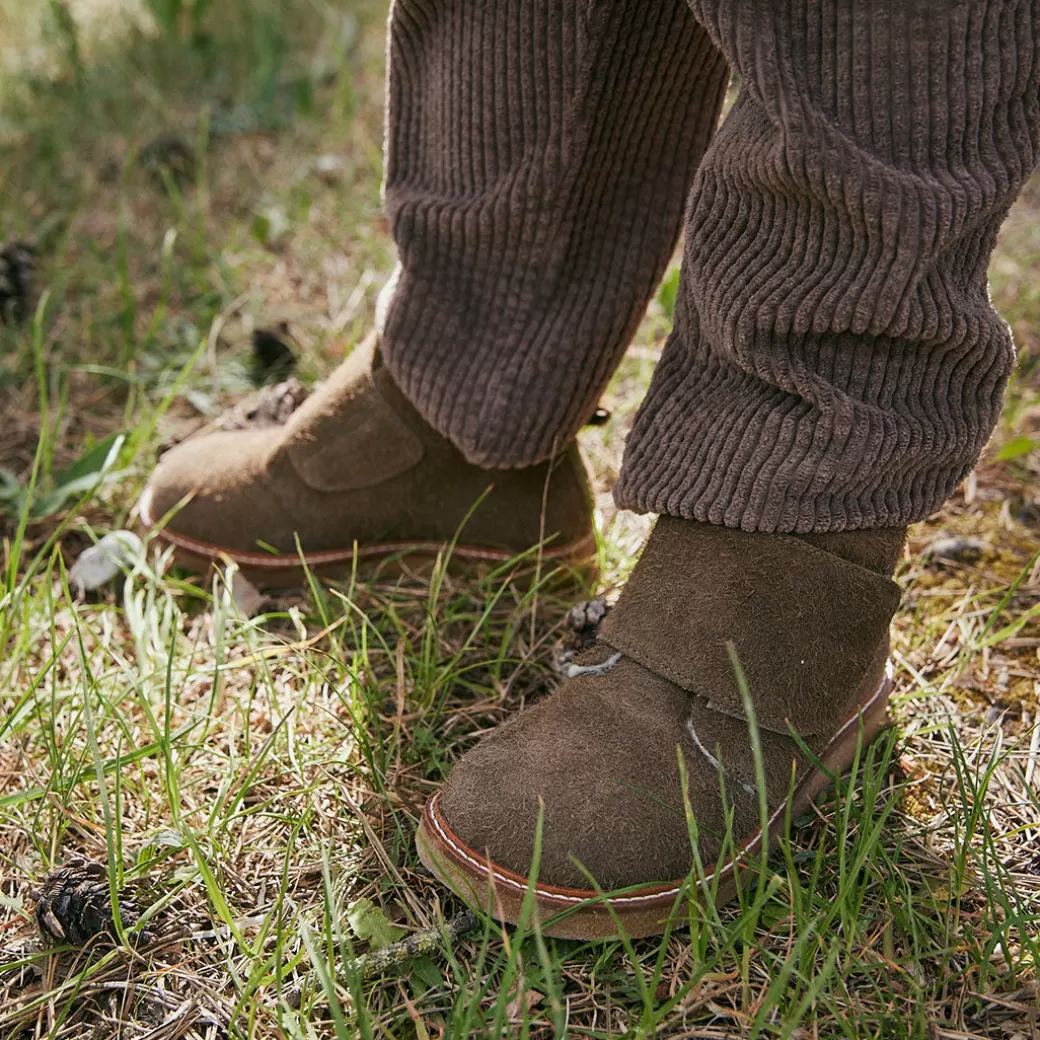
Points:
(256, 781)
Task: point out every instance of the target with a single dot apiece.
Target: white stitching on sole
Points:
(284, 561)
(726, 868)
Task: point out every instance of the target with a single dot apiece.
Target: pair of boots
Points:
(598, 765)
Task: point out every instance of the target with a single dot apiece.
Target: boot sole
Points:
(639, 911)
(283, 570)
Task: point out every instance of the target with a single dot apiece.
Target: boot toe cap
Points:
(216, 490)
(606, 783)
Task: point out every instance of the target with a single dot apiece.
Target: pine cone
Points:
(169, 154)
(581, 627)
(74, 905)
(17, 268)
(273, 358)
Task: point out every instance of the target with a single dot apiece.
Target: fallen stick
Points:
(378, 962)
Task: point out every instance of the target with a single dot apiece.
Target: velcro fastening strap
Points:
(347, 436)
(806, 625)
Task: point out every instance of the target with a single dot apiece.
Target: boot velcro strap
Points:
(807, 625)
(347, 436)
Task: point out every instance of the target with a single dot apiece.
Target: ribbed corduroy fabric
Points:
(836, 363)
(539, 156)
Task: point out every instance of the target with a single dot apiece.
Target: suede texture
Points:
(602, 754)
(804, 649)
(356, 463)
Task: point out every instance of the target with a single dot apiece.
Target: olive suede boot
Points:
(357, 471)
(808, 619)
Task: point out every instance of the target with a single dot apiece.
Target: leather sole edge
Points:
(283, 569)
(500, 892)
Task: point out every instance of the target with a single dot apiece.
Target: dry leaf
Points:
(249, 600)
(526, 1001)
(99, 564)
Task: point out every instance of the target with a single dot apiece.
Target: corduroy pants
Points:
(835, 362)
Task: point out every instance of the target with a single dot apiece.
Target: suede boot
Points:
(357, 470)
(808, 618)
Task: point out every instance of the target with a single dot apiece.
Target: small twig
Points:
(1034, 746)
(378, 962)
(215, 329)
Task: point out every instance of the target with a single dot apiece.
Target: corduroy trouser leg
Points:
(836, 363)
